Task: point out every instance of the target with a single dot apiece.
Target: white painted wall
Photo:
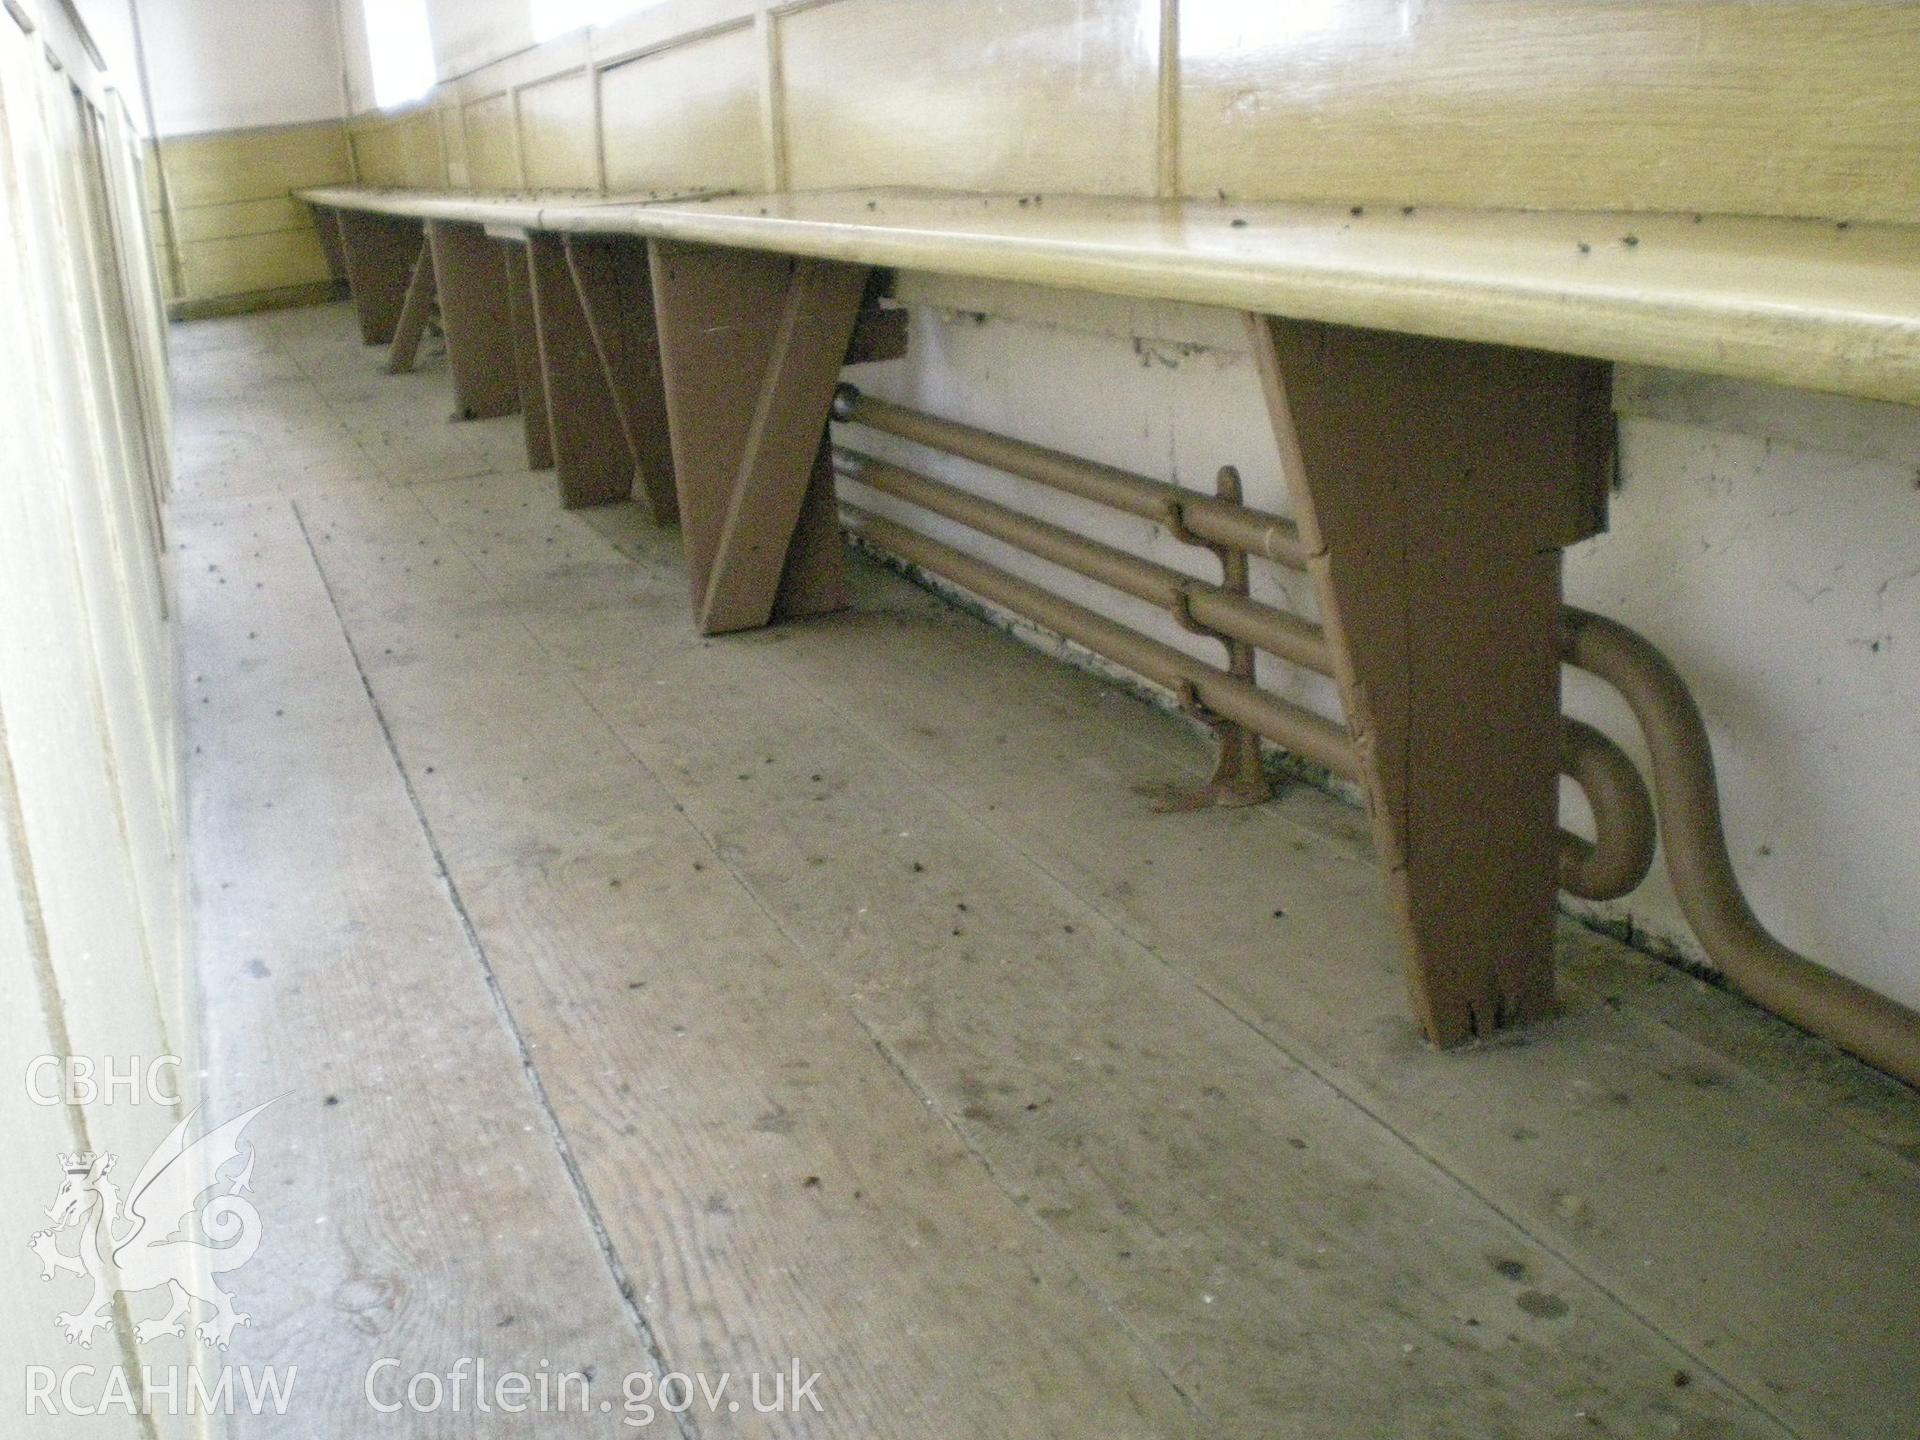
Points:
(237, 64)
(470, 33)
(467, 34)
(1769, 541)
(1774, 553)
(356, 63)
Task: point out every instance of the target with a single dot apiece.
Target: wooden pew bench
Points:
(1438, 387)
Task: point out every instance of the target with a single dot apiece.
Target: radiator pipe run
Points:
(1685, 793)
(1215, 521)
(1287, 725)
(1210, 606)
(1623, 815)
(1863, 1022)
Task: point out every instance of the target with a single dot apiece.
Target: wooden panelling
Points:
(1789, 108)
(244, 217)
(557, 133)
(93, 930)
(1058, 95)
(467, 36)
(149, 175)
(254, 164)
(533, 64)
(686, 118)
(239, 230)
(164, 265)
(240, 264)
(493, 150)
(453, 143)
(399, 150)
(1785, 108)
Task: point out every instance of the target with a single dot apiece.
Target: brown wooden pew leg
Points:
(469, 269)
(380, 251)
(751, 345)
(413, 314)
(616, 295)
(1436, 483)
(327, 221)
(589, 447)
(526, 357)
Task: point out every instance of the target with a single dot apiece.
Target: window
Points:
(557, 17)
(400, 47)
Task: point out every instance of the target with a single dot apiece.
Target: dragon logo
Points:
(149, 1243)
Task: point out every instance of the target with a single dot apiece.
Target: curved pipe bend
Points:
(1685, 796)
(1619, 858)
(1880, 1031)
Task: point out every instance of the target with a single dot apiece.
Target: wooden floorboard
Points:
(414, 1203)
(1678, 1179)
(1029, 995)
(703, 1068)
(843, 978)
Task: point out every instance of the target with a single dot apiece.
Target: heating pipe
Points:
(1210, 606)
(1863, 1022)
(1205, 518)
(1287, 725)
(1617, 861)
(1623, 814)
(1685, 793)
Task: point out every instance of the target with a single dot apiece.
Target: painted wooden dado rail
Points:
(1437, 383)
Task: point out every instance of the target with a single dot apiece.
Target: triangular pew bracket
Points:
(751, 347)
(1435, 484)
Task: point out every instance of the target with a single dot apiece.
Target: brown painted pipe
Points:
(1618, 860)
(1210, 606)
(1859, 1020)
(1215, 521)
(1623, 815)
(1287, 725)
(1863, 1022)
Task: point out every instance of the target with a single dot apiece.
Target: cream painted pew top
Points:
(1812, 304)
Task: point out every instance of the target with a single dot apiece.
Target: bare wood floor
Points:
(830, 995)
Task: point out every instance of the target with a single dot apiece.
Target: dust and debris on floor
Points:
(829, 1001)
